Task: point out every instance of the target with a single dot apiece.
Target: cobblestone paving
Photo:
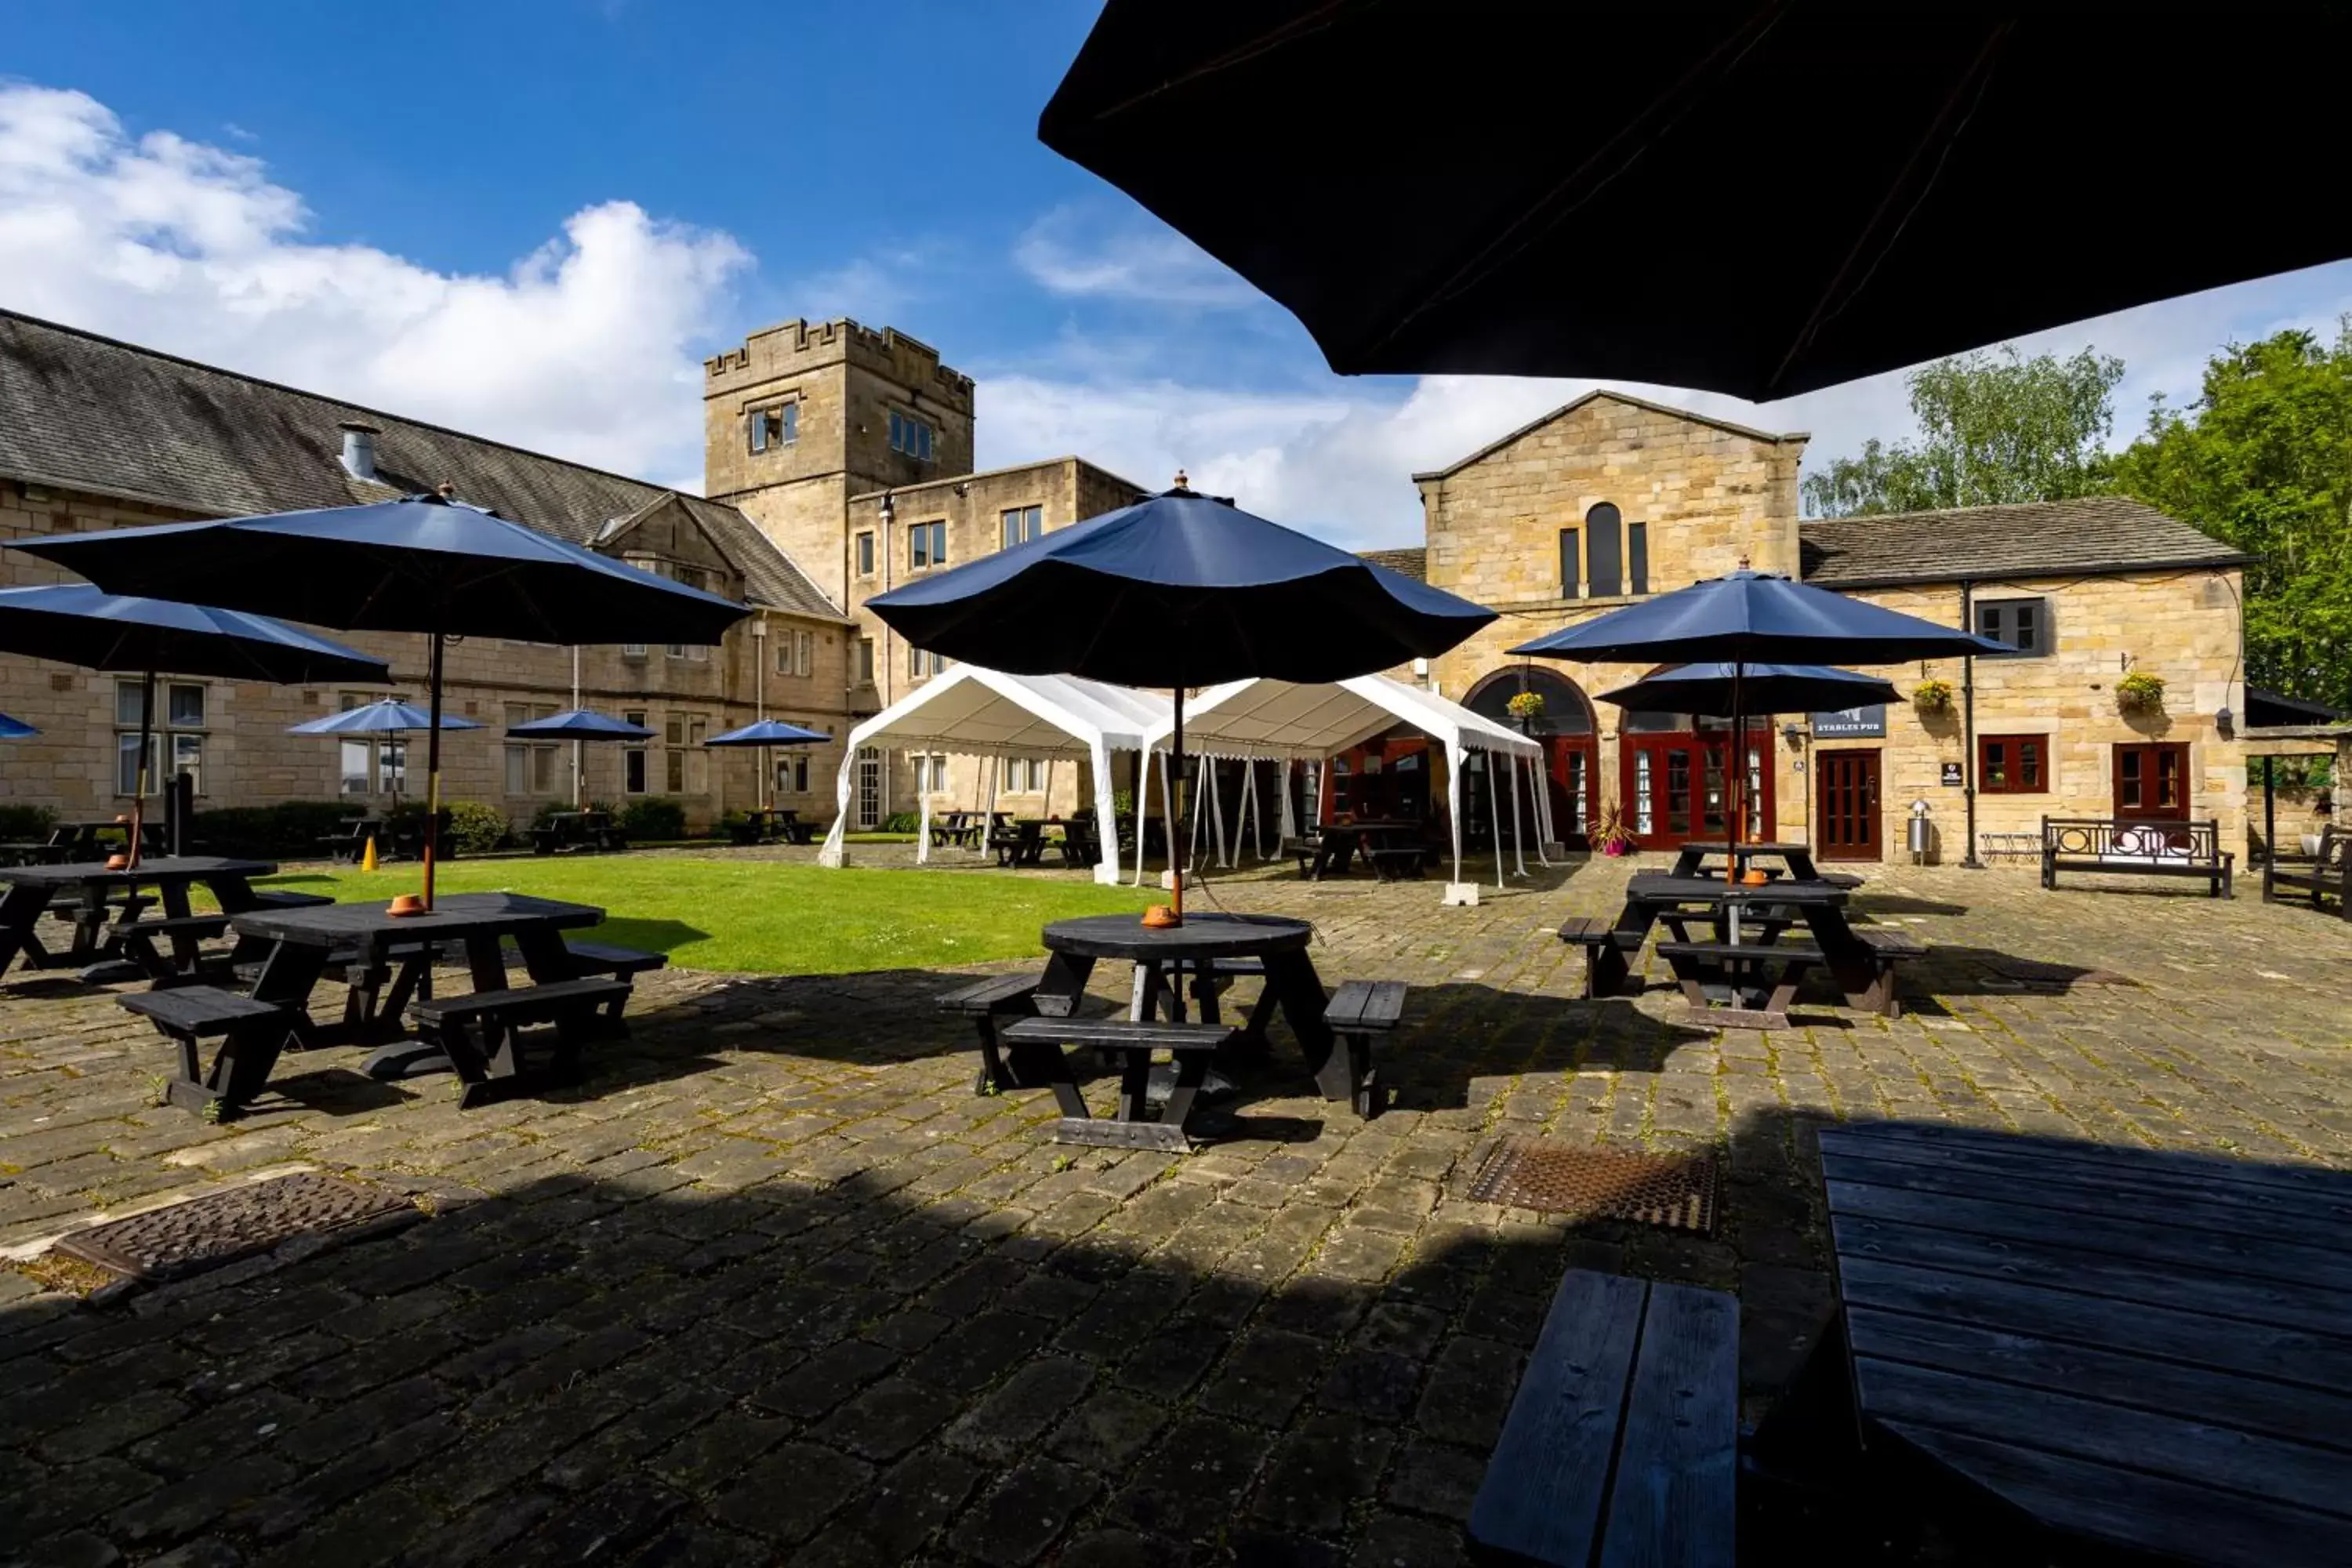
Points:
(775, 1284)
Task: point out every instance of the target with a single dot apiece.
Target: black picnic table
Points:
(1164, 956)
(1655, 897)
(107, 899)
(2141, 1352)
(1023, 842)
(369, 941)
(772, 823)
(73, 840)
(1692, 859)
(1336, 845)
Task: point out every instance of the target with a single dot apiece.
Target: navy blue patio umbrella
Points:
(579, 725)
(14, 729)
(1751, 618)
(74, 623)
(1181, 589)
(767, 732)
(423, 563)
(388, 716)
(1716, 689)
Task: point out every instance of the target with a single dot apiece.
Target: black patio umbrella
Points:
(76, 624)
(1180, 590)
(1754, 197)
(1750, 619)
(423, 563)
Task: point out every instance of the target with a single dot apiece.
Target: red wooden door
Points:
(1575, 787)
(1676, 791)
(1847, 784)
(2151, 780)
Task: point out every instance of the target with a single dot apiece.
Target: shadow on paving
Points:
(1127, 1358)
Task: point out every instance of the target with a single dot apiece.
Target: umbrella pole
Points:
(1736, 758)
(433, 773)
(139, 798)
(1176, 826)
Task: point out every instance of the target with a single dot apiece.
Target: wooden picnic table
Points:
(73, 840)
(1655, 897)
(1337, 844)
(1797, 859)
(109, 902)
(2141, 1353)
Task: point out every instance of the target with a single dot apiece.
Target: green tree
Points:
(2262, 461)
(1994, 427)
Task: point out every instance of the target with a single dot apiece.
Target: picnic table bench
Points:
(1021, 844)
(578, 830)
(2327, 875)
(1621, 1444)
(349, 841)
(2124, 847)
(1707, 969)
(252, 1034)
(1130, 1042)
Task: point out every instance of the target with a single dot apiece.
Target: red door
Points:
(1676, 791)
(1575, 787)
(1847, 784)
(2152, 781)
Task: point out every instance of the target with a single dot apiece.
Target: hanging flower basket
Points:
(2140, 692)
(1526, 705)
(1932, 697)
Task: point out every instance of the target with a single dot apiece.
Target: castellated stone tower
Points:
(805, 416)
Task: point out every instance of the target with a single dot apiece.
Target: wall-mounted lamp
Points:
(890, 509)
(1793, 732)
(2225, 722)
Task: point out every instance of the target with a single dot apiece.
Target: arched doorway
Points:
(1564, 729)
(1671, 777)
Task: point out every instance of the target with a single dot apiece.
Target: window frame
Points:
(866, 552)
(167, 736)
(1984, 779)
(1020, 525)
(1571, 562)
(933, 532)
(1604, 539)
(2044, 641)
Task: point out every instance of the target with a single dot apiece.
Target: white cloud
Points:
(1338, 459)
(1074, 251)
(584, 348)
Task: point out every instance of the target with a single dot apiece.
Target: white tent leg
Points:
(1494, 817)
(1252, 810)
(1535, 810)
(1519, 837)
(1192, 798)
(1106, 818)
(1453, 802)
(988, 813)
(1289, 818)
(923, 814)
(1049, 786)
(834, 851)
(1217, 813)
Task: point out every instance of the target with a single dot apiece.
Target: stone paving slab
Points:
(775, 1285)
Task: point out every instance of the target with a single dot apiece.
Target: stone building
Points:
(851, 448)
(1612, 497)
(95, 433)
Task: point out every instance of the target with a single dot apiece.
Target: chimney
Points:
(358, 449)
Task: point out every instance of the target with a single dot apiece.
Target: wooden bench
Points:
(1306, 852)
(605, 958)
(286, 899)
(184, 934)
(252, 1032)
(1621, 1442)
(1392, 862)
(480, 1032)
(2327, 875)
(1607, 953)
(1888, 949)
(1774, 967)
(986, 1002)
(1132, 1043)
(1357, 1010)
(2118, 846)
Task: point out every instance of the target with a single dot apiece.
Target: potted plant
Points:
(1613, 837)
(1526, 707)
(1932, 697)
(2141, 691)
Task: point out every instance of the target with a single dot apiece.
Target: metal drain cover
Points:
(1676, 1192)
(220, 1228)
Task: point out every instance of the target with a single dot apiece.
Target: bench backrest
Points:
(2334, 847)
(2120, 838)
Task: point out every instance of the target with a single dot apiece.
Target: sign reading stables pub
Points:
(1851, 723)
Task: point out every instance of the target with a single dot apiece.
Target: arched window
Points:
(1566, 712)
(1604, 550)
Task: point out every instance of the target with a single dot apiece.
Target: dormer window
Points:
(779, 426)
(911, 436)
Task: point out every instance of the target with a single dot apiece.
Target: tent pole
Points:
(1495, 815)
(1518, 834)
(433, 773)
(923, 805)
(139, 798)
(1454, 756)
(579, 748)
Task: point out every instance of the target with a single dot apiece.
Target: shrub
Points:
(289, 828)
(654, 820)
(26, 824)
(902, 822)
(476, 829)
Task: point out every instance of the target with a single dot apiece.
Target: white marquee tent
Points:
(1283, 721)
(970, 711)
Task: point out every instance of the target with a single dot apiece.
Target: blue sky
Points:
(532, 218)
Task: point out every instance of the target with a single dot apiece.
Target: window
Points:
(690, 577)
(1637, 557)
(632, 761)
(633, 651)
(803, 652)
(927, 545)
(866, 555)
(920, 662)
(1023, 775)
(695, 651)
(1568, 565)
(1024, 523)
(930, 773)
(2013, 764)
(682, 757)
(793, 773)
(530, 764)
(777, 426)
(1603, 547)
(177, 738)
(911, 436)
(2023, 624)
(865, 661)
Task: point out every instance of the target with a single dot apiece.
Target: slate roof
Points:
(2093, 536)
(1613, 395)
(1414, 563)
(82, 412)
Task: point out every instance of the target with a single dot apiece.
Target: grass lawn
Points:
(770, 917)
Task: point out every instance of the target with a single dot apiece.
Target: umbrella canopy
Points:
(767, 732)
(422, 563)
(1180, 590)
(580, 725)
(74, 623)
(389, 717)
(1534, 219)
(14, 729)
(418, 564)
(1709, 689)
(1756, 618)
